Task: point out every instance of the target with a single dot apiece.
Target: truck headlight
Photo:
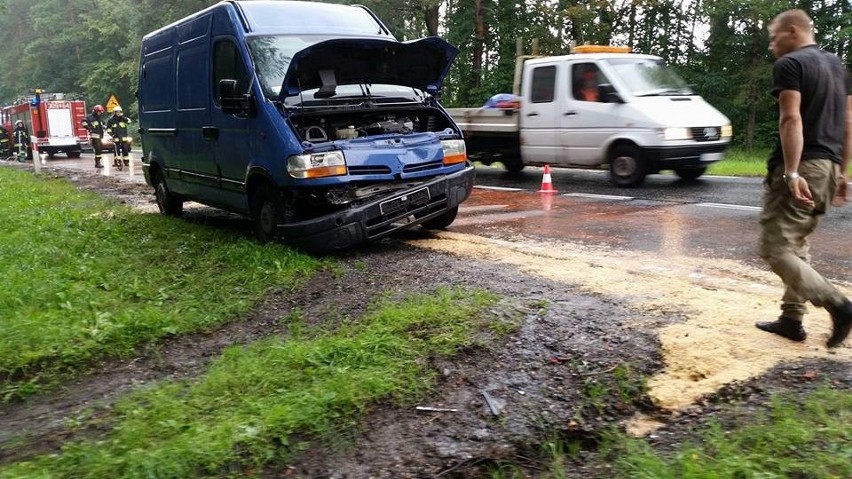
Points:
(317, 165)
(677, 133)
(454, 152)
(727, 131)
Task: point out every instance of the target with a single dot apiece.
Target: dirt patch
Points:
(593, 325)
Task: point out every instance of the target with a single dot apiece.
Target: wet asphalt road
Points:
(712, 217)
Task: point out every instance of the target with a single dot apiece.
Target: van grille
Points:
(369, 170)
(707, 133)
(423, 167)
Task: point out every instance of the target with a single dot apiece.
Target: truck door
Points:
(539, 115)
(587, 122)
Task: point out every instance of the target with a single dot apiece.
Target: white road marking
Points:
(729, 207)
(498, 188)
(600, 197)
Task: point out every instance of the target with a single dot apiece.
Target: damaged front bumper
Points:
(381, 217)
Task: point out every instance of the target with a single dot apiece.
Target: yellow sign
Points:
(112, 103)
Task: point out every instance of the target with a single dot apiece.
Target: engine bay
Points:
(319, 127)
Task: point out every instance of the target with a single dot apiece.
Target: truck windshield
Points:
(272, 56)
(648, 77)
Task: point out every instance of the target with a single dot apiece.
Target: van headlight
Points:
(727, 131)
(317, 165)
(677, 133)
(454, 152)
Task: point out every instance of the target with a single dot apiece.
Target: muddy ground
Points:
(560, 374)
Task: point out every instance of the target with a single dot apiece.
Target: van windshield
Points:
(272, 55)
(648, 77)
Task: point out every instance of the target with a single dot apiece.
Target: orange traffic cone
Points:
(546, 183)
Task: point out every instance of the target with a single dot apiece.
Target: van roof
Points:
(297, 17)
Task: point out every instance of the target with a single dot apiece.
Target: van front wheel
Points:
(442, 221)
(627, 168)
(267, 209)
(168, 203)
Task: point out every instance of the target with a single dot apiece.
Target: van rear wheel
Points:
(267, 210)
(168, 203)
(627, 168)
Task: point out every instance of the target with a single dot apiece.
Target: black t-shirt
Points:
(824, 84)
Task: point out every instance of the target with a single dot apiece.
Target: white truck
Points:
(606, 108)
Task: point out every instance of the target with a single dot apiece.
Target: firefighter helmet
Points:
(19, 122)
(98, 109)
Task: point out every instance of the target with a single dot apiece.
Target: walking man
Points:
(806, 172)
(22, 141)
(95, 126)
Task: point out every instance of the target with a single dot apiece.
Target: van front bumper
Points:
(382, 217)
(692, 156)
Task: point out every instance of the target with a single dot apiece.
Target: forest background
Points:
(89, 49)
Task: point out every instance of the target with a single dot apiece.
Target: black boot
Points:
(789, 328)
(98, 163)
(841, 323)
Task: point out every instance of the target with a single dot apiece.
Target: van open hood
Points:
(420, 64)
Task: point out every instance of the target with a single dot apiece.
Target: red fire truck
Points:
(52, 121)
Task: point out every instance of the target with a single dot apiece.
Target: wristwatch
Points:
(790, 176)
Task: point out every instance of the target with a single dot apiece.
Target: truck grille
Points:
(707, 133)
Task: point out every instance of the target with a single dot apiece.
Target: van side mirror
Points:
(234, 102)
(608, 94)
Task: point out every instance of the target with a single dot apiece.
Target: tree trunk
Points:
(431, 17)
(478, 43)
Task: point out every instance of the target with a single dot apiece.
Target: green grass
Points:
(811, 439)
(84, 277)
(741, 162)
(245, 411)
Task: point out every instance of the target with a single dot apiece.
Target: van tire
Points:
(442, 221)
(690, 174)
(267, 211)
(168, 203)
(627, 168)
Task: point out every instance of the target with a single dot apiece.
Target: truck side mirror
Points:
(234, 102)
(608, 94)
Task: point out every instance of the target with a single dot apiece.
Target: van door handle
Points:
(210, 133)
(532, 114)
(570, 113)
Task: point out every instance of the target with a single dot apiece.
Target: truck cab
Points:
(625, 111)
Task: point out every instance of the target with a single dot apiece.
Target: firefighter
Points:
(117, 128)
(95, 126)
(4, 142)
(21, 138)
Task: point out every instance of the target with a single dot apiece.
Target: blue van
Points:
(310, 118)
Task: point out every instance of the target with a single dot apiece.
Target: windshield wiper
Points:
(666, 92)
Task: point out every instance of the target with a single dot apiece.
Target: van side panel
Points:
(198, 170)
(157, 99)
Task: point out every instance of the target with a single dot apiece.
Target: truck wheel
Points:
(73, 154)
(168, 203)
(441, 222)
(267, 211)
(514, 165)
(627, 168)
(689, 174)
